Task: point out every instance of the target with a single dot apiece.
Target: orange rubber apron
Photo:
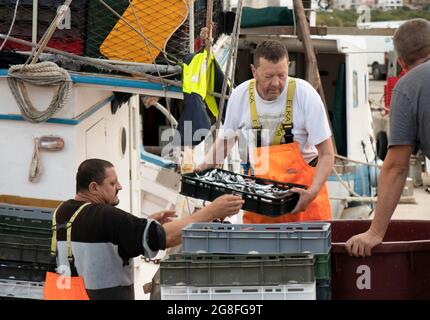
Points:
(64, 287)
(284, 163)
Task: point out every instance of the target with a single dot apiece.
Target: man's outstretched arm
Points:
(391, 182)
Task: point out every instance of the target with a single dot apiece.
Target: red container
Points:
(75, 46)
(388, 91)
(399, 268)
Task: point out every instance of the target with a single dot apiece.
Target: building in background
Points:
(389, 4)
(416, 4)
(373, 4)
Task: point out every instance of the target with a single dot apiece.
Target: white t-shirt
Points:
(310, 124)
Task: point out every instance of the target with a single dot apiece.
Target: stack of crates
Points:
(25, 243)
(250, 261)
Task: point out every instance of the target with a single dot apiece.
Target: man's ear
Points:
(402, 64)
(253, 69)
(92, 187)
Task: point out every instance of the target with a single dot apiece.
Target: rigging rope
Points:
(11, 26)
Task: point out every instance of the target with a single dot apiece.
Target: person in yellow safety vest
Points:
(200, 76)
(287, 132)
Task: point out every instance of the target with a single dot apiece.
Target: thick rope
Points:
(42, 74)
(11, 25)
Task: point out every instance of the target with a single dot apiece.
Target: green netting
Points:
(100, 22)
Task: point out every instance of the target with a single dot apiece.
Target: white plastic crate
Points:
(21, 289)
(297, 291)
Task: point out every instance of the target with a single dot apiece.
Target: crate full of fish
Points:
(267, 197)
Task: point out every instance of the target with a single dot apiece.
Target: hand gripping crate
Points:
(298, 291)
(236, 270)
(312, 237)
(192, 185)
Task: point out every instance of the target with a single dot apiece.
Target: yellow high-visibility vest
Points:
(200, 78)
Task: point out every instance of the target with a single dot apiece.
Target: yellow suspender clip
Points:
(288, 116)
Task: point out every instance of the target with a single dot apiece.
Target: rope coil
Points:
(40, 74)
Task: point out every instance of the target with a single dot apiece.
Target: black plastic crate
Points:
(194, 187)
(21, 248)
(323, 289)
(12, 270)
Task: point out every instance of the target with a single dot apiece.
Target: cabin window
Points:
(355, 89)
(292, 68)
(365, 88)
(123, 141)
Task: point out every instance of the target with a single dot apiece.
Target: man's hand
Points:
(306, 197)
(163, 216)
(203, 166)
(225, 206)
(361, 244)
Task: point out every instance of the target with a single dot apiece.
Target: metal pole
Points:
(97, 62)
(191, 24)
(312, 73)
(34, 21)
(231, 59)
(209, 22)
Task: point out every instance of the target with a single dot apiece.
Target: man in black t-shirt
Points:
(105, 238)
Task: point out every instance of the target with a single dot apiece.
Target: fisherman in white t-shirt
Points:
(287, 132)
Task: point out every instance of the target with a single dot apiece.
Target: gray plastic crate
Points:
(257, 238)
(21, 289)
(235, 270)
(30, 218)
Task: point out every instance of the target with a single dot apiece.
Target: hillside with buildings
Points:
(380, 4)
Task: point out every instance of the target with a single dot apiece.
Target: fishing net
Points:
(144, 31)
